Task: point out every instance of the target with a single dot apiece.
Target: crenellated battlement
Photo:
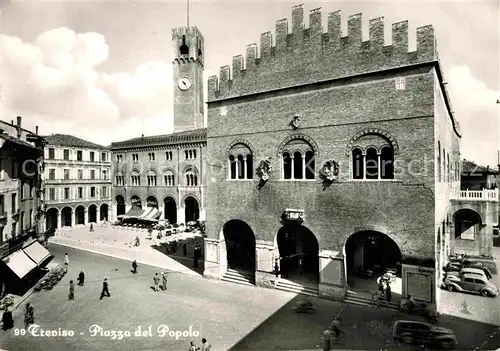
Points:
(306, 55)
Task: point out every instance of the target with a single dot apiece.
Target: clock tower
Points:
(188, 78)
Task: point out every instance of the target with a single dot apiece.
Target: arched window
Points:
(186, 154)
(191, 177)
(151, 176)
(240, 162)
(439, 163)
(298, 160)
(169, 178)
(372, 157)
(120, 180)
(135, 178)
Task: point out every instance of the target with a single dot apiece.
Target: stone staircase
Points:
(287, 285)
(239, 277)
(365, 300)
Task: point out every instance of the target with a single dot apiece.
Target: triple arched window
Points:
(191, 177)
(169, 178)
(297, 160)
(120, 179)
(151, 176)
(135, 178)
(372, 158)
(240, 162)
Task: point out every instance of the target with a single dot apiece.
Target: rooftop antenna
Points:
(187, 13)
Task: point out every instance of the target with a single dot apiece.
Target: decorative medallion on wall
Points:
(264, 170)
(295, 122)
(329, 172)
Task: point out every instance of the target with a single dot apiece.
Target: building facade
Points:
(21, 198)
(167, 172)
(77, 180)
(330, 156)
(476, 177)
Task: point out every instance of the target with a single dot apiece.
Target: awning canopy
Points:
(19, 263)
(134, 212)
(38, 253)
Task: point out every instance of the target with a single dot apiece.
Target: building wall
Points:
(101, 181)
(179, 165)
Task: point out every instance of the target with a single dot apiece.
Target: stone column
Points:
(264, 263)
(85, 217)
(212, 259)
(292, 162)
(181, 214)
(303, 166)
(363, 159)
(73, 218)
(245, 167)
(237, 164)
(98, 215)
(332, 278)
(112, 214)
(379, 168)
(59, 219)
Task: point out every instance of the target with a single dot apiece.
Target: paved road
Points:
(230, 316)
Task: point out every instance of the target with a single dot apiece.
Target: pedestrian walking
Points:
(197, 255)
(156, 281)
(184, 249)
(192, 347)
(71, 295)
(335, 328)
(66, 259)
(91, 227)
(137, 241)
(81, 278)
(105, 291)
(164, 281)
(301, 265)
(134, 267)
(29, 315)
(276, 272)
(205, 346)
(7, 320)
(388, 292)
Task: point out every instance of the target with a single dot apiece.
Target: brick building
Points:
(163, 176)
(331, 156)
(77, 181)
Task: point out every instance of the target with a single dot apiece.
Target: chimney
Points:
(18, 127)
(12, 121)
(36, 130)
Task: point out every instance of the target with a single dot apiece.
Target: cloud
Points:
(55, 83)
(478, 114)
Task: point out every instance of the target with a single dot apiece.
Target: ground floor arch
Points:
(192, 209)
(103, 211)
(151, 201)
(80, 215)
(92, 214)
(170, 209)
(120, 205)
(240, 245)
(298, 252)
(136, 202)
(51, 218)
(66, 214)
(467, 224)
(368, 254)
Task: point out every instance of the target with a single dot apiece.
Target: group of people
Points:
(384, 289)
(156, 281)
(205, 346)
(81, 282)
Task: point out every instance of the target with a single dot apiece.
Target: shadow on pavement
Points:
(178, 256)
(365, 328)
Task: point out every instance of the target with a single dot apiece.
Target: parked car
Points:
(456, 267)
(422, 333)
(480, 273)
(470, 283)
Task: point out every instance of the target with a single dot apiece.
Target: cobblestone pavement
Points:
(230, 316)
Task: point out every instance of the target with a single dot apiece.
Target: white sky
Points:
(102, 70)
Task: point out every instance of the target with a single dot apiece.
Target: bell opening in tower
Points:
(184, 49)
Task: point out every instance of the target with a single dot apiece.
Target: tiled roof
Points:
(469, 166)
(195, 135)
(15, 140)
(70, 140)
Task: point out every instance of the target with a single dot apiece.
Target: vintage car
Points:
(470, 283)
(471, 271)
(422, 333)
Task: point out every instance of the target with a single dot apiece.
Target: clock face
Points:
(184, 83)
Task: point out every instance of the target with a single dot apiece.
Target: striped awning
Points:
(146, 213)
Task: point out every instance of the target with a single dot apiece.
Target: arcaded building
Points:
(163, 176)
(77, 179)
(331, 156)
